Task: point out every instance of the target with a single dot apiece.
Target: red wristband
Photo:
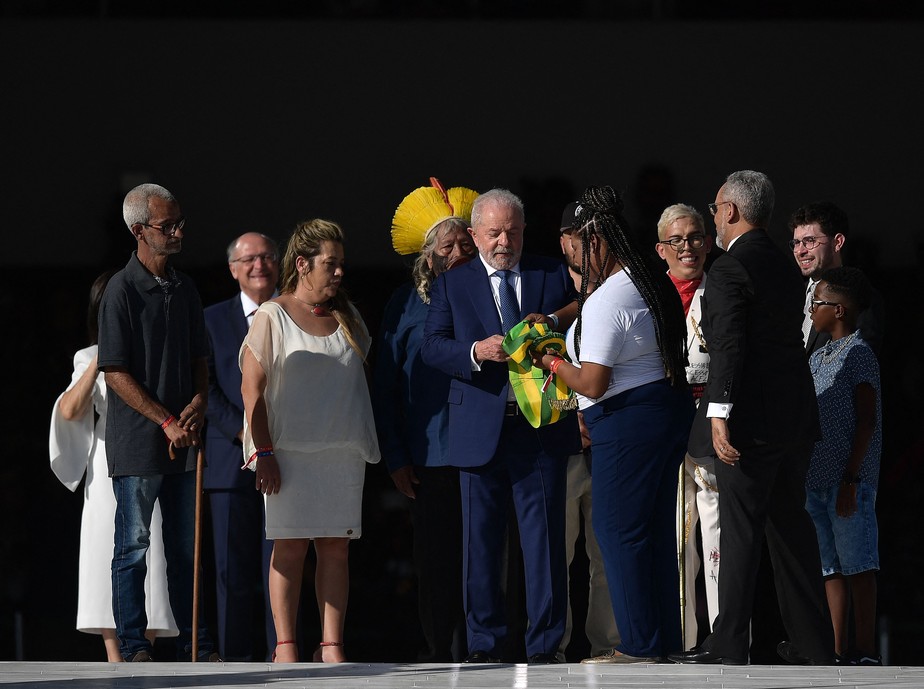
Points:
(556, 363)
(169, 420)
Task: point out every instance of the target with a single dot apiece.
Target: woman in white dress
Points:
(76, 445)
(309, 430)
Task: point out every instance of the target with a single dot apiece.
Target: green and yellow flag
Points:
(543, 397)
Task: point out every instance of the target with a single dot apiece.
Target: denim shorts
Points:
(848, 545)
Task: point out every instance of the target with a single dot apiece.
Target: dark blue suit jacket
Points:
(226, 327)
(408, 397)
(463, 311)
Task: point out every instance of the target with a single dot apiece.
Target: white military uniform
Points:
(700, 496)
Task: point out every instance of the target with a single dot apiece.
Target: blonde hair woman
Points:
(308, 430)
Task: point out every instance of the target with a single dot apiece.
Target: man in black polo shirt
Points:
(153, 349)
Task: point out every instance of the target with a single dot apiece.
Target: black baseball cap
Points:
(569, 216)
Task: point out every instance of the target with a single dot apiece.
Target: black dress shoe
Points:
(480, 657)
(543, 659)
(700, 656)
(788, 652)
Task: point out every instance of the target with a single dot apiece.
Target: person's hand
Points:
(268, 479)
(544, 359)
(721, 443)
(491, 349)
(538, 318)
(190, 419)
(179, 436)
(585, 432)
(405, 479)
(846, 504)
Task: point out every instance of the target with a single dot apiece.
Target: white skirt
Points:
(97, 532)
(321, 495)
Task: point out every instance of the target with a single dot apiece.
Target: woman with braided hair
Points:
(627, 346)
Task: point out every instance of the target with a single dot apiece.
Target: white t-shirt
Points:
(617, 330)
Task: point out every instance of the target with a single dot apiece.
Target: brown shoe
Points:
(616, 657)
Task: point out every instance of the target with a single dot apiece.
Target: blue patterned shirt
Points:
(838, 368)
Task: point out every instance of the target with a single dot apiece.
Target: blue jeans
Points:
(135, 497)
(848, 545)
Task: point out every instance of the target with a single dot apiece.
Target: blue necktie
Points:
(509, 308)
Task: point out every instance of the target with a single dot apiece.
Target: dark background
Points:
(264, 114)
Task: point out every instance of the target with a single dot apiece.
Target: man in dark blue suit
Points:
(241, 549)
(502, 458)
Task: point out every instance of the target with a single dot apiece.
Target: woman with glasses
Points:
(77, 445)
(684, 246)
(627, 346)
(309, 431)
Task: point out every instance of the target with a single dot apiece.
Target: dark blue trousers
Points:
(242, 556)
(535, 482)
(638, 442)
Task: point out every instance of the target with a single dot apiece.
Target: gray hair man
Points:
(153, 351)
(751, 322)
(241, 548)
(502, 458)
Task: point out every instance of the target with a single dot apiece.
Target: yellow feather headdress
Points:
(425, 208)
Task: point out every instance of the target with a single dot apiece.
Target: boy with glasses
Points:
(843, 474)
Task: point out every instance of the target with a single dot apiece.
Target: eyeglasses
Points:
(695, 241)
(815, 303)
(169, 229)
(250, 260)
(808, 242)
(713, 207)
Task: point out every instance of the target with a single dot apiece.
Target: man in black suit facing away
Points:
(760, 418)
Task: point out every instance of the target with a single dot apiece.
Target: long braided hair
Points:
(600, 213)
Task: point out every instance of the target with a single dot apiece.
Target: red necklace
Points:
(319, 310)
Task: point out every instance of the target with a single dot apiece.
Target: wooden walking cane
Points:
(197, 545)
(197, 552)
(682, 551)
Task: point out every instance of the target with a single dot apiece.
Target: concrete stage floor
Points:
(38, 675)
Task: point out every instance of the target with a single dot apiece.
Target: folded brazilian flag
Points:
(543, 398)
